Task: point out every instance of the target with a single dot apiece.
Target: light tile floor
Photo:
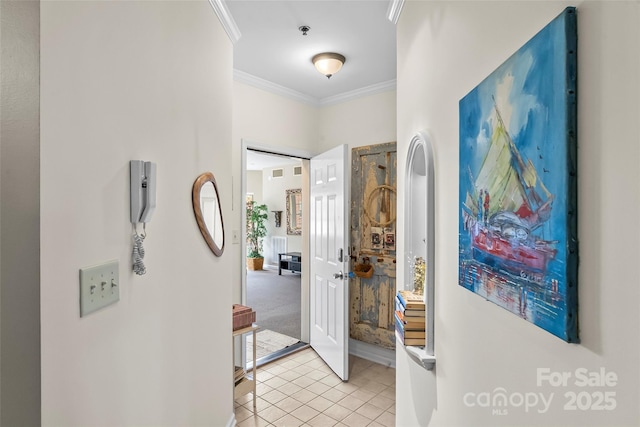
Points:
(301, 390)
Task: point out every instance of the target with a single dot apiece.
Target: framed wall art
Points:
(294, 212)
(518, 243)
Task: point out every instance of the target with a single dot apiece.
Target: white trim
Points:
(359, 93)
(421, 212)
(242, 77)
(232, 421)
(373, 353)
(394, 11)
(227, 21)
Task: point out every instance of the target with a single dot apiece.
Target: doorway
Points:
(274, 177)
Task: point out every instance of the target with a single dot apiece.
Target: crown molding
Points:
(394, 11)
(227, 21)
(250, 79)
(359, 93)
(257, 82)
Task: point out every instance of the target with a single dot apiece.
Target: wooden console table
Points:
(291, 261)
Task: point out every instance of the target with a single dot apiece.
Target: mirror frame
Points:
(197, 210)
(291, 197)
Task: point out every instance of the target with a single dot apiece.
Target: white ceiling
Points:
(273, 50)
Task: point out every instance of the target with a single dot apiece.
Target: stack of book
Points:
(410, 318)
(243, 316)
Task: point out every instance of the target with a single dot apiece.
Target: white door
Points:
(329, 285)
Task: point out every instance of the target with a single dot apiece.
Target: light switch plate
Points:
(99, 287)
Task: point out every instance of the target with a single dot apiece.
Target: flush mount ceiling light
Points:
(328, 63)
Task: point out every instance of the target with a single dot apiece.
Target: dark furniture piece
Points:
(291, 261)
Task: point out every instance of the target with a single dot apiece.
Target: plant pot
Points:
(255, 263)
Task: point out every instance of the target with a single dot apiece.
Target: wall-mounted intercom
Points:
(143, 204)
(143, 190)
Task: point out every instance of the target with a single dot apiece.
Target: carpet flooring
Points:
(276, 300)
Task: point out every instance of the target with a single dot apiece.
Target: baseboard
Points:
(232, 421)
(372, 352)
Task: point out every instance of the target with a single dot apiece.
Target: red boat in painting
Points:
(489, 247)
(509, 205)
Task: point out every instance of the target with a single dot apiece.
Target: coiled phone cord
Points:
(138, 251)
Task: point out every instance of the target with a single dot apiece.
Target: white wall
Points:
(363, 121)
(444, 50)
(123, 81)
(19, 214)
(275, 197)
(254, 185)
(270, 120)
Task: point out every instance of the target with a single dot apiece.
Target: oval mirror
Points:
(206, 207)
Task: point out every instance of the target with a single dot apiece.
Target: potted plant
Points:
(256, 230)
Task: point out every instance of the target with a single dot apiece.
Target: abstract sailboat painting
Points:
(518, 243)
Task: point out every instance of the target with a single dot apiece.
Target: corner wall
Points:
(20, 213)
(444, 50)
(269, 120)
(364, 121)
(123, 81)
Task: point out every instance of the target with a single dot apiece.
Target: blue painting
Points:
(518, 187)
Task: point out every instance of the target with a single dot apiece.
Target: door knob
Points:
(338, 275)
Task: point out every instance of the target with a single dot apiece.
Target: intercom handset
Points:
(143, 190)
(143, 204)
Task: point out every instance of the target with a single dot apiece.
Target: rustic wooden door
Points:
(373, 242)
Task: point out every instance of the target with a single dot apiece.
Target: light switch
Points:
(99, 287)
(235, 237)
